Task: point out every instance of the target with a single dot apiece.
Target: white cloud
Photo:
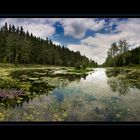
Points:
(40, 30)
(37, 26)
(96, 47)
(90, 52)
(77, 27)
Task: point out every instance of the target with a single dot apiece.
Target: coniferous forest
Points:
(20, 47)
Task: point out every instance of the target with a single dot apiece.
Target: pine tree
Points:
(16, 46)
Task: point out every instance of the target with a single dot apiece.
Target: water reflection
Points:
(39, 85)
(119, 86)
(59, 95)
(72, 97)
(121, 80)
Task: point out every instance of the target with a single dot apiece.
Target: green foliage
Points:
(77, 66)
(4, 60)
(20, 47)
(121, 55)
(8, 84)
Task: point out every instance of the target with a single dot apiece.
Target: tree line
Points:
(121, 55)
(20, 47)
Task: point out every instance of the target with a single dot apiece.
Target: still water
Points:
(94, 97)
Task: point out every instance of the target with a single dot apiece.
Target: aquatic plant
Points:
(9, 84)
(11, 93)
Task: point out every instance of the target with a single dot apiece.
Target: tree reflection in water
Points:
(118, 85)
(121, 80)
(38, 87)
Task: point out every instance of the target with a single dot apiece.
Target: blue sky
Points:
(91, 36)
(60, 37)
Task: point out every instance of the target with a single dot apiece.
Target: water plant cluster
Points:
(121, 79)
(22, 85)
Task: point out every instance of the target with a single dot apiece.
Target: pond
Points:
(94, 96)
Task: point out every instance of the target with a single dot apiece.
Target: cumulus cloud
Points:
(96, 47)
(37, 26)
(40, 30)
(77, 27)
(91, 52)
